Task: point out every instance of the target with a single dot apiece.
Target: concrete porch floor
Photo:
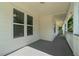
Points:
(58, 47)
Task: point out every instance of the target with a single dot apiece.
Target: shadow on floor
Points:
(57, 47)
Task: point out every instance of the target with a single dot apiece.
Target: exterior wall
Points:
(73, 38)
(76, 29)
(69, 36)
(7, 42)
(46, 27)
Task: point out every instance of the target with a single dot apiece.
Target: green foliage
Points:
(70, 24)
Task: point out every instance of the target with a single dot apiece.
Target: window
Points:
(70, 24)
(29, 25)
(18, 17)
(18, 23)
(29, 20)
(29, 30)
(18, 30)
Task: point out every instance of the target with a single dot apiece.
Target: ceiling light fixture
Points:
(42, 2)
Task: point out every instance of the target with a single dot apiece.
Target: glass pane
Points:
(29, 30)
(18, 16)
(29, 20)
(18, 30)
